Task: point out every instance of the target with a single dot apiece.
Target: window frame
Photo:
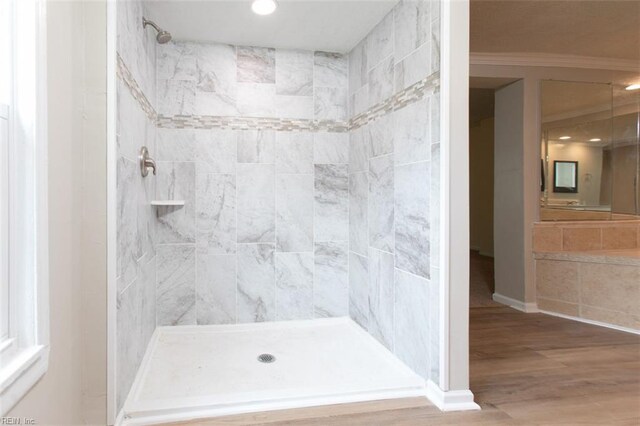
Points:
(24, 359)
(5, 337)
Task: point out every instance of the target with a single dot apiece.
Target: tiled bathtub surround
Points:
(586, 236)
(136, 254)
(394, 184)
(601, 286)
(589, 270)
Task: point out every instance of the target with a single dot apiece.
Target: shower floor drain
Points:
(266, 358)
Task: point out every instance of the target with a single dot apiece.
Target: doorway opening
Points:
(481, 169)
(488, 180)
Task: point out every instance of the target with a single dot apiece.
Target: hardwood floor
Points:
(526, 369)
(482, 278)
(546, 370)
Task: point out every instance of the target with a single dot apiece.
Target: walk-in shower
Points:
(293, 216)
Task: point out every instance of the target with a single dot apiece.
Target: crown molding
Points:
(553, 60)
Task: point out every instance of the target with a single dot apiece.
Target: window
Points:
(6, 70)
(23, 200)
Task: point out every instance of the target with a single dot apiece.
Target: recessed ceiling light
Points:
(564, 138)
(595, 140)
(264, 7)
(635, 86)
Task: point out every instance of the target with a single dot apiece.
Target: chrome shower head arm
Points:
(146, 22)
(163, 36)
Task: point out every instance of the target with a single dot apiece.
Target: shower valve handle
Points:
(146, 162)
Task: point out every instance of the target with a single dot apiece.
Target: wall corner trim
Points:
(515, 304)
(457, 400)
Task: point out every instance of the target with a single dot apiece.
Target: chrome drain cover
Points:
(266, 358)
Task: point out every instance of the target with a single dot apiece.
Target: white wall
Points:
(73, 389)
(508, 187)
(481, 186)
(93, 60)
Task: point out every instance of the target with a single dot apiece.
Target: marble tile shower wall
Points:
(264, 231)
(136, 259)
(208, 79)
(394, 187)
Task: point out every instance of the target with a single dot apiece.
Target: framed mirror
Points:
(565, 176)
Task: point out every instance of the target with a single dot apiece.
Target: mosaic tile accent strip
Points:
(398, 101)
(123, 73)
(405, 97)
(250, 123)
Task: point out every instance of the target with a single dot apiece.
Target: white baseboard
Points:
(460, 400)
(156, 417)
(592, 322)
(515, 304)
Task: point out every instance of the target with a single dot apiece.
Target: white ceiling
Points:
(327, 25)
(607, 29)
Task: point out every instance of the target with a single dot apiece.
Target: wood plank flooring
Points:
(526, 369)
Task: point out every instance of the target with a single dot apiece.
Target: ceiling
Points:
(582, 133)
(607, 29)
(589, 110)
(327, 25)
(564, 97)
(623, 129)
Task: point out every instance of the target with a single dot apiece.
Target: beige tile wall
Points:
(586, 236)
(601, 292)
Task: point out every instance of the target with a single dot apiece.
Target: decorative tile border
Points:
(250, 123)
(127, 78)
(398, 101)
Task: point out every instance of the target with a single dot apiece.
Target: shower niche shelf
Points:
(168, 203)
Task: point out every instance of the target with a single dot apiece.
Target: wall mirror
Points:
(565, 176)
(590, 151)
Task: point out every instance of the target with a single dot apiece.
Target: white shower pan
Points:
(191, 372)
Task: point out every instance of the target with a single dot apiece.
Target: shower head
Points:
(163, 36)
